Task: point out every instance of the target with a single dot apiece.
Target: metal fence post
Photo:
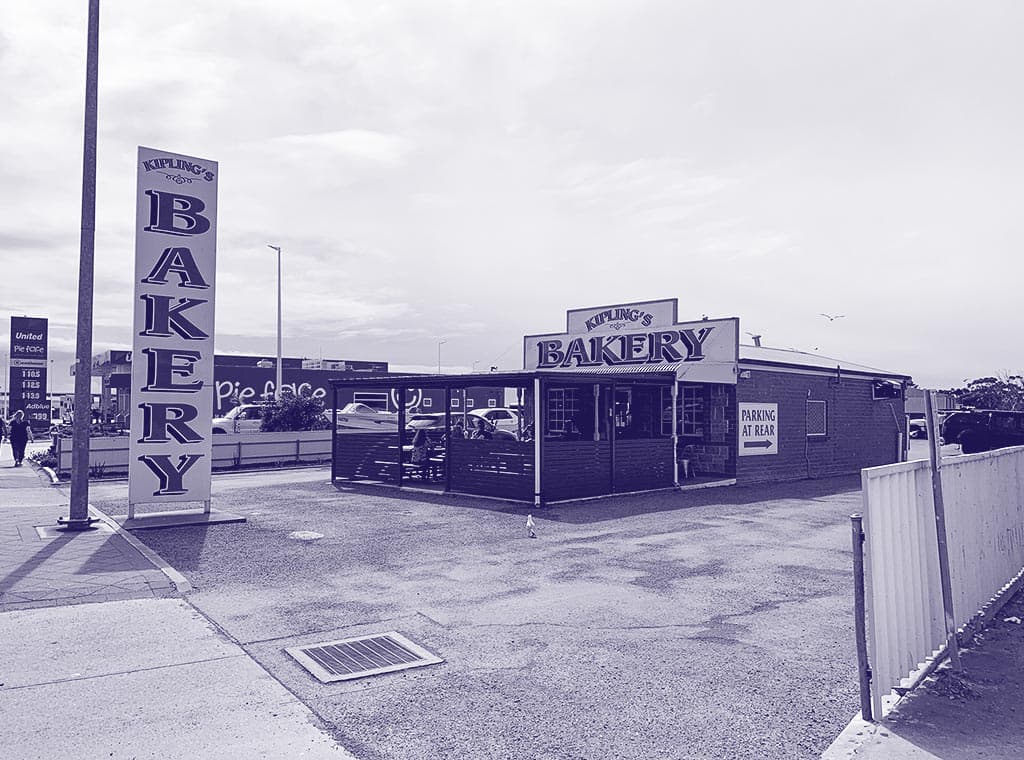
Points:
(863, 666)
(935, 458)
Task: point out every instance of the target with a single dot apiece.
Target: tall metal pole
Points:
(863, 665)
(439, 344)
(935, 459)
(277, 377)
(79, 512)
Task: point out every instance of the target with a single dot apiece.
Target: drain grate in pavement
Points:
(362, 656)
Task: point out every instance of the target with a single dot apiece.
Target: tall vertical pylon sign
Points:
(172, 363)
(27, 383)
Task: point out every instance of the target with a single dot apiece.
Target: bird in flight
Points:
(833, 317)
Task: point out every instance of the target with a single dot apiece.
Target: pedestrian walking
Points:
(20, 433)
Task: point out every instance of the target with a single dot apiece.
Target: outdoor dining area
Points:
(544, 436)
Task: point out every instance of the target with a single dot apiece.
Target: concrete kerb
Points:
(850, 739)
(181, 584)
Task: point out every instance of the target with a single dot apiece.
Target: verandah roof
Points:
(646, 373)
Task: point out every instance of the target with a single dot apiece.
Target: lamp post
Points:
(78, 511)
(277, 377)
(439, 344)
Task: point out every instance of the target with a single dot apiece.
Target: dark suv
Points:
(983, 429)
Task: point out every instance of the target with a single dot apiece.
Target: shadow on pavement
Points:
(616, 507)
(978, 712)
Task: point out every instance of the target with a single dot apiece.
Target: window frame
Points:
(565, 408)
(690, 421)
(824, 418)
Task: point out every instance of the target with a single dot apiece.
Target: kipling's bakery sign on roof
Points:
(645, 336)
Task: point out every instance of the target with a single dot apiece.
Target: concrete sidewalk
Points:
(43, 567)
(142, 675)
(978, 712)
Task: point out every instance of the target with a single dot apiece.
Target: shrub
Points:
(291, 412)
(46, 458)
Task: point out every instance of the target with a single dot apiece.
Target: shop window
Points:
(693, 411)
(427, 403)
(817, 419)
(470, 403)
(689, 411)
(563, 409)
(455, 403)
(492, 402)
(623, 410)
(637, 412)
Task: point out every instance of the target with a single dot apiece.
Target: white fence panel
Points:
(109, 455)
(983, 496)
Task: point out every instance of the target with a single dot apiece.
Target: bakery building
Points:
(628, 398)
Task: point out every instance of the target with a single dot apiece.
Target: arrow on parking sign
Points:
(757, 444)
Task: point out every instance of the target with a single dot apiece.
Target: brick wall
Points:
(861, 432)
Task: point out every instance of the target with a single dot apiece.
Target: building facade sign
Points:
(758, 429)
(638, 336)
(172, 367)
(597, 320)
(27, 381)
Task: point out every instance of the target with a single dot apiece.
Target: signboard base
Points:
(176, 518)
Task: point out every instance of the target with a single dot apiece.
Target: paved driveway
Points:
(711, 624)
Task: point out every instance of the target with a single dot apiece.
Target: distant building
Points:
(914, 403)
(239, 379)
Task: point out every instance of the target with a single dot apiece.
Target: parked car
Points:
(983, 429)
(425, 421)
(500, 418)
(245, 418)
(363, 417)
(434, 424)
(918, 429)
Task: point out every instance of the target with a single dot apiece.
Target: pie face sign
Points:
(172, 367)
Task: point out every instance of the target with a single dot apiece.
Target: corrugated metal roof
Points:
(630, 369)
(792, 357)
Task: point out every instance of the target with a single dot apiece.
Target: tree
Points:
(1006, 392)
(291, 412)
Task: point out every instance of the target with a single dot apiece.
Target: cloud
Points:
(348, 144)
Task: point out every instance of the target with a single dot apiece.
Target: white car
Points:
(245, 418)
(500, 418)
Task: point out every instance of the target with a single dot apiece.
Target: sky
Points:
(466, 171)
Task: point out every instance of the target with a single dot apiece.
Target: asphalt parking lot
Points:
(705, 624)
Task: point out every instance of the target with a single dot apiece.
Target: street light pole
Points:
(78, 518)
(277, 377)
(439, 344)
